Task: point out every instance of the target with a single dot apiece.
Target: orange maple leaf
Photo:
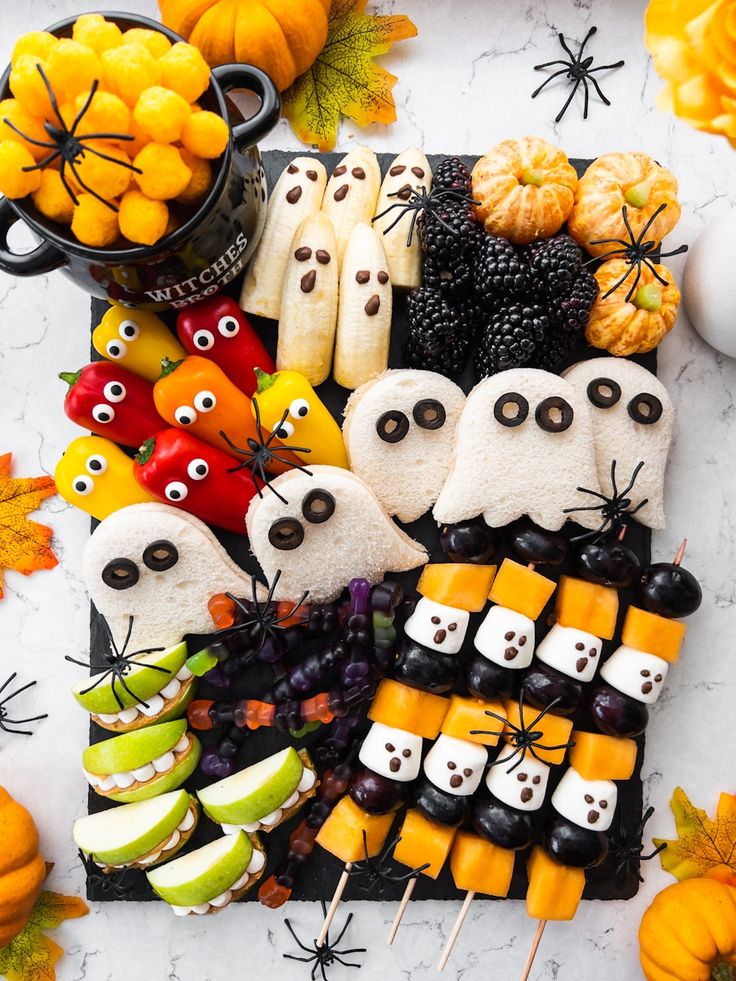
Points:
(24, 544)
(344, 80)
(31, 955)
(702, 843)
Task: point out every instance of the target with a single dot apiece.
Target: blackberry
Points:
(555, 264)
(470, 313)
(572, 312)
(453, 277)
(452, 174)
(510, 338)
(438, 340)
(500, 273)
(447, 229)
(551, 351)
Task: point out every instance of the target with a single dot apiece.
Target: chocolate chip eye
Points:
(604, 392)
(318, 506)
(406, 753)
(554, 414)
(120, 574)
(521, 777)
(536, 780)
(645, 409)
(429, 414)
(392, 426)
(303, 253)
(286, 534)
(390, 747)
(435, 620)
(160, 556)
(509, 635)
(505, 415)
(452, 627)
(658, 678)
(589, 798)
(468, 772)
(451, 765)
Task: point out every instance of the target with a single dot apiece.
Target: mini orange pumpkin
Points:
(22, 870)
(615, 180)
(525, 188)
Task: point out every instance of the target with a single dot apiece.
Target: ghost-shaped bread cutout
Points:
(633, 419)
(524, 446)
(522, 786)
(393, 753)
(574, 652)
(590, 804)
(399, 433)
(439, 627)
(159, 566)
(506, 638)
(320, 530)
(635, 673)
(455, 765)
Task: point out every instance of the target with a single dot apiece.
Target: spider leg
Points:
(31, 718)
(599, 90)
(7, 682)
(546, 82)
(541, 715)
(657, 850)
(303, 960)
(106, 156)
(344, 928)
(43, 163)
(85, 107)
(288, 463)
(17, 692)
(635, 473)
(570, 97)
(65, 182)
(99, 678)
(398, 204)
(118, 137)
(561, 38)
(549, 64)
(619, 282)
(610, 241)
(604, 68)
(45, 143)
(593, 30)
(586, 90)
(522, 751)
(232, 445)
(396, 221)
(272, 588)
(130, 691)
(52, 97)
(349, 963)
(412, 226)
(291, 930)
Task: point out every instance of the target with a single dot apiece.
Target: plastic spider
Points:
(637, 252)
(626, 849)
(327, 954)
(612, 508)
(262, 620)
(377, 872)
(67, 146)
(261, 453)
(5, 722)
(423, 201)
(524, 738)
(117, 664)
(112, 884)
(578, 71)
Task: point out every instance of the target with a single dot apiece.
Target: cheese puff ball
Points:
(201, 178)
(71, 68)
(184, 70)
(141, 138)
(28, 87)
(156, 42)
(94, 223)
(52, 199)
(106, 113)
(206, 134)
(14, 181)
(32, 126)
(161, 113)
(142, 220)
(108, 178)
(163, 174)
(128, 70)
(96, 32)
(37, 43)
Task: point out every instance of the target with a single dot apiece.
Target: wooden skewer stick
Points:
(464, 909)
(680, 552)
(337, 896)
(410, 886)
(533, 950)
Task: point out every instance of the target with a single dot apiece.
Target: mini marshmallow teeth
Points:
(364, 312)
(297, 194)
(351, 195)
(309, 301)
(409, 171)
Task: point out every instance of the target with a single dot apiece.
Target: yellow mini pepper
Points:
(308, 422)
(97, 477)
(136, 339)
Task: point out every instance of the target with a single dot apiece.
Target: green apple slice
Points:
(143, 682)
(133, 749)
(255, 791)
(124, 834)
(164, 782)
(203, 874)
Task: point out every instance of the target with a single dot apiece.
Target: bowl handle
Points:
(44, 258)
(249, 77)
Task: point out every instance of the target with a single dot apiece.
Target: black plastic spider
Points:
(111, 884)
(578, 70)
(637, 252)
(327, 954)
(118, 664)
(524, 738)
(429, 202)
(614, 508)
(5, 722)
(378, 872)
(67, 146)
(626, 849)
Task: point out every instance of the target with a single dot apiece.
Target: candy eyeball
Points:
(83, 485)
(114, 391)
(574, 652)
(635, 673)
(455, 765)
(198, 468)
(228, 326)
(435, 625)
(284, 430)
(96, 464)
(176, 491)
(299, 408)
(522, 787)
(185, 415)
(205, 401)
(129, 330)
(590, 804)
(506, 638)
(103, 413)
(393, 753)
(116, 350)
(203, 339)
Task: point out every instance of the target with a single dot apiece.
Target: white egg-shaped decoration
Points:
(709, 285)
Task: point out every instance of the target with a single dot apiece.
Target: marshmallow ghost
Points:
(393, 753)
(588, 803)
(524, 445)
(523, 786)
(637, 674)
(455, 765)
(574, 652)
(633, 420)
(506, 638)
(437, 626)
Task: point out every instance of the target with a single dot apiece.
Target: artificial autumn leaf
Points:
(344, 80)
(31, 955)
(702, 843)
(24, 544)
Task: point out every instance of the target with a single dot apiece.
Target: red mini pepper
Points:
(112, 402)
(187, 473)
(218, 329)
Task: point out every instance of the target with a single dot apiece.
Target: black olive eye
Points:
(286, 534)
(645, 409)
(120, 574)
(392, 426)
(160, 556)
(604, 392)
(554, 415)
(429, 414)
(318, 506)
(503, 412)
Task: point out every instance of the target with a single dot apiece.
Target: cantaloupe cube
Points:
(342, 832)
(423, 841)
(459, 584)
(586, 606)
(555, 890)
(522, 589)
(652, 633)
(479, 866)
(407, 708)
(466, 714)
(554, 729)
(598, 757)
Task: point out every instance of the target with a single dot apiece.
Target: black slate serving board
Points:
(320, 876)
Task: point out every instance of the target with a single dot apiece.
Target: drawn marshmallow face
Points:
(394, 753)
(455, 765)
(588, 803)
(522, 787)
(574, 652)
(636, 673)
(506, 638)
(440, 627)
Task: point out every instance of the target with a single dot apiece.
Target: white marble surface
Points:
(464, 84)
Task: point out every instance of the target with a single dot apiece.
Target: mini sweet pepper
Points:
(97, 477)
(136, 339)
